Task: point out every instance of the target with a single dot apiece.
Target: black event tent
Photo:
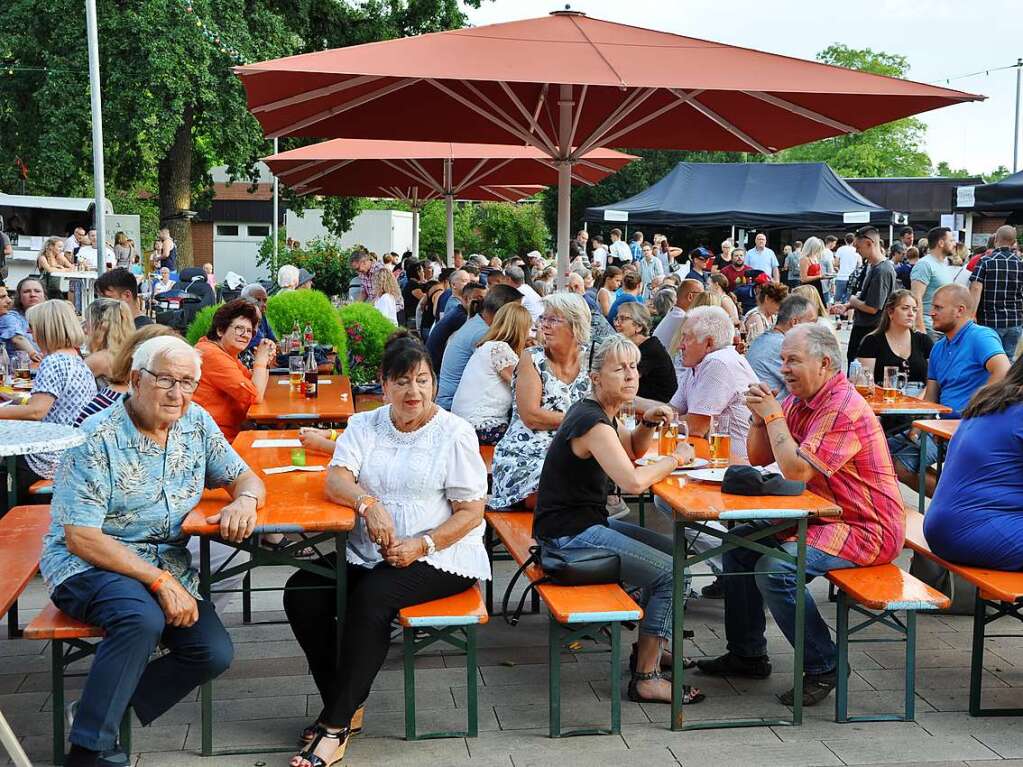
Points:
(748, 195)
(1003, 196)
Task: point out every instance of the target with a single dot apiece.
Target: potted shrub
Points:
(367, 330)
(201, 324)
(308, 306)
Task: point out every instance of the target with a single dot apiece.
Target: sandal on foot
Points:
(689, 694)
(307, 755)
(687, 663)
(307, 552)
(354, 728)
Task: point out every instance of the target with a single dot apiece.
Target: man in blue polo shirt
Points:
(965, 358)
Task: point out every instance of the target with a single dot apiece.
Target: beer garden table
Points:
(334, 403)
(942, 433)
(694, 503)
(296, 503)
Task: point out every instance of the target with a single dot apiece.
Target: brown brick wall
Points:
(202, 243)
(987, 224)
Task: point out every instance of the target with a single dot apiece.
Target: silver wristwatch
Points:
(431, 547)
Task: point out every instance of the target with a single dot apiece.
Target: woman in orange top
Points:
(227, 388)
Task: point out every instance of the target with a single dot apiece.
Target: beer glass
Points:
(22, 371)
(720, 439)
(894, 383)
(673, 432)
(628, 415)
(296, 373)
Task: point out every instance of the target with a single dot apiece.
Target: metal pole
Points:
(415, 232)
(449, 204)
(1015, 133)
(273, 229)
(565, 105)
(98, 182)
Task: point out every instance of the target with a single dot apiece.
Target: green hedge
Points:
(282, 311)
(367, 330)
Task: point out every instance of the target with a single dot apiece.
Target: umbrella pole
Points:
(415, 232)
(565, 104)
(449, 204)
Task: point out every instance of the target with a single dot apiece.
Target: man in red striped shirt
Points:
(826, 435)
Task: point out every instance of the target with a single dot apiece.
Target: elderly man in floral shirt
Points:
(115, 555)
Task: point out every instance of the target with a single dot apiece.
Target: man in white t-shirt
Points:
(530, 298)
(672, 321)
(598, 257)
(762, 257)
(74, 242)
(619, 253)
(848, 259)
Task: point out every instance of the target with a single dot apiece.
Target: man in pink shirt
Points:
(825, 435)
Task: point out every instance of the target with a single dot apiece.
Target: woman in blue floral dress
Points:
(547, 382)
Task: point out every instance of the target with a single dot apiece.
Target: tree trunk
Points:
(175, 180)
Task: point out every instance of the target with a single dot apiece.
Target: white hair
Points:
(820, 343)
(287, 276)
(573, 308)
(251, 289)
(164, 347)
(710, 322)
(814, 246)
(615, 347)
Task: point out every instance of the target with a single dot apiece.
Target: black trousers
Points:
(855, 337)
(374, 598)
(26, 478)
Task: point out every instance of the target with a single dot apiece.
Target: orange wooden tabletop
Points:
(941, 429)
(334, 403)
(904, 405)
(259, 458)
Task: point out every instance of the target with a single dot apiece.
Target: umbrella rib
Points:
(478, 173)
(598, 51)
(336, 110)
(539, 103)
(578, 114)
(502, 113)
(723, 123)
(497, 193)
(681, 98)
(298, 168)
(510, 126)
(438, 186)
(327, 90)
(534, 125)
(627, 107)
(326, 172)
(413, 173)
(801, 111)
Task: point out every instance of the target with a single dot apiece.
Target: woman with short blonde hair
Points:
(63, 385)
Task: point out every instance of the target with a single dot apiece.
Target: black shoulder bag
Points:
(563, 567)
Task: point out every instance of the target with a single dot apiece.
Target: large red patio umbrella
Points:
(418, 171)
(566, 84)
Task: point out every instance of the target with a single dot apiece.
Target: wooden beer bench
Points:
(452, 620)
(879, 593)
(21, 544)
(999, 591)
(576, 612)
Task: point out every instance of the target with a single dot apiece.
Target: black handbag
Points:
(563, 567)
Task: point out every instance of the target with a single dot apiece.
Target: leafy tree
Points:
(172, 107)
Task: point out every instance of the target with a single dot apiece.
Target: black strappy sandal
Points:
(689, 694)
(687, 663)
(353, 729)
(342, 737)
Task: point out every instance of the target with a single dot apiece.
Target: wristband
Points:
(650, 424)
(364, 502)
(333, 435)
(156, 584)
(773, 417)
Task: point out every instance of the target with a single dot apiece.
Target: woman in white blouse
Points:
(385, 287)
(484, 395)
(414, 475)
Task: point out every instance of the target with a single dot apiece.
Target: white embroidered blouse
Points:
(416, 476)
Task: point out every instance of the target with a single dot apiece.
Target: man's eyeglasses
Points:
(187, 385)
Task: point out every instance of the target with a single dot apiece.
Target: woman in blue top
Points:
(976, 516)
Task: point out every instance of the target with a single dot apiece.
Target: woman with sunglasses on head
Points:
(548, 380)
(227, 388)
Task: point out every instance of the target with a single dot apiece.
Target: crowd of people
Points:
(569, 382)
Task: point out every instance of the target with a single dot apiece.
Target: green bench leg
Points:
(247, 597)
(448, 635)
(977, 656)
(562, 636)
(13, 628)
(57, 686)
(554, 679)
(843, 631)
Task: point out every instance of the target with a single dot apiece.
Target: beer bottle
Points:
(312, 376)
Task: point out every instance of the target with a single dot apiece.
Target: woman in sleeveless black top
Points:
(593, 449)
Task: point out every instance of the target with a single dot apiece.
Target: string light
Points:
(986, 72)
(212, 36)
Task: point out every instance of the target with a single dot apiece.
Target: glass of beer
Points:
(720, 439)
(296, 373)
(22, 369)
(673, 432)
(628, 415)
(894, 383)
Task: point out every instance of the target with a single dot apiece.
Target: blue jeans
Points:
(121, 674)
(841, 290)
(774, 582)
(908, 453)
(646, 564)
(1010, 339)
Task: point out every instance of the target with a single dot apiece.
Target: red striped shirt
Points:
(842, 439)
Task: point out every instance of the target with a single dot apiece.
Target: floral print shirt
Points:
(136, 491)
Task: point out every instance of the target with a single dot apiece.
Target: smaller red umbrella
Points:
(418, 171)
